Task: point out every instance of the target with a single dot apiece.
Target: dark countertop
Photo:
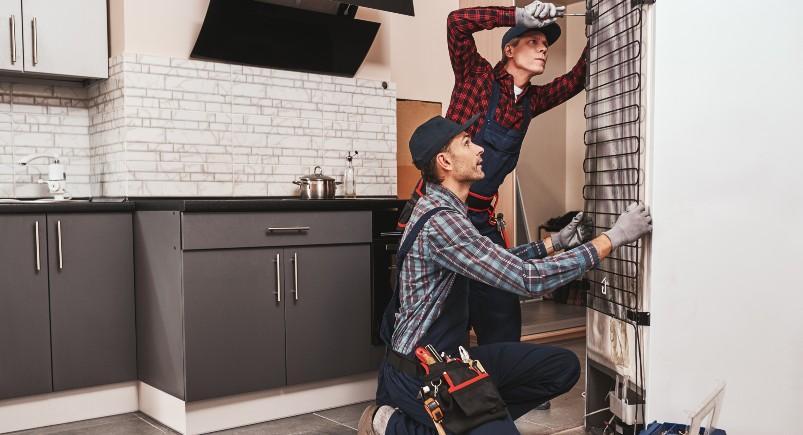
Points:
(71, 206)
(202, 205)
(265, 204)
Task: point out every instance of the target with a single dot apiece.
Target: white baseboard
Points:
(244, 409)
(186, 418)
(162, 407)
(219, 414)
(67, 406)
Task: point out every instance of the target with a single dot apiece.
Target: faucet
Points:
(57, 178)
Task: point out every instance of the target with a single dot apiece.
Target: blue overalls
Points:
(525, 374)
(495, 315)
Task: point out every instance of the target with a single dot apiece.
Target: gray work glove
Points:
(579, 231)
(631, 225)
(536, 14)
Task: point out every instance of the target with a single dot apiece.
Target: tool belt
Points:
(403, 364)
(457, 394)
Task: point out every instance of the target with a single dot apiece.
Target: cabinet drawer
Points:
(246, 230)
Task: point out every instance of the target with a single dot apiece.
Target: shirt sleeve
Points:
(457, 246)
(529, 251)
(461, 25)
(561, 89)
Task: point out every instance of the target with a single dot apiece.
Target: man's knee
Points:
(568, 370)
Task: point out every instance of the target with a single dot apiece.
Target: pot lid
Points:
(316, 175)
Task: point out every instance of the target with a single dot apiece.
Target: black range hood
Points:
(399, 6)
(257, 33)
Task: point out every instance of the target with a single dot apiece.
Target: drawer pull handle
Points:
(61, 255)
(34, 42)
(12, 21)
(36, 240)
(284, 229)
(278, 278)
(295, 274)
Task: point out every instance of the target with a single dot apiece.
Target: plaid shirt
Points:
(473, 74)
(448, 245)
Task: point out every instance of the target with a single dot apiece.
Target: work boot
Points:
(366, 424)
(544, 406)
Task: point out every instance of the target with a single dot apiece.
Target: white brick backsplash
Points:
(175, 127)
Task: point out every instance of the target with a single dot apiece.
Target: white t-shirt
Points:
(517, 91)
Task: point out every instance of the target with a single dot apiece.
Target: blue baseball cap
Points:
(430, 137)
(551, 31)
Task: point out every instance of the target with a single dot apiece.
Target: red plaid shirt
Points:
(473, 74)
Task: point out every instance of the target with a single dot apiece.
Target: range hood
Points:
(324, 38)
(333, 6)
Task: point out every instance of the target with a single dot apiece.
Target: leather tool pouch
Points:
(467, 395)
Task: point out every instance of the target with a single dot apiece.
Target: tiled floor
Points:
(564, 418)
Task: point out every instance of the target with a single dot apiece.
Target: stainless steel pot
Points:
(317, 185)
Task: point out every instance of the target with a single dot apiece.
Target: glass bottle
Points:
(349, 177)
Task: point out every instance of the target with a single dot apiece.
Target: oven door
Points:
(384, 249)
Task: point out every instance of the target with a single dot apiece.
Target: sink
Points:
(38, 201)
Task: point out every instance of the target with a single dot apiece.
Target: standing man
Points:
(507, 100)
(439, 250)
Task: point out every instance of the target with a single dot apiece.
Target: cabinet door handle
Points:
(295, 274)
(58, 232)
(34, 42)
(278, 278)
(12, 24)
(278, 229)
(36, 240)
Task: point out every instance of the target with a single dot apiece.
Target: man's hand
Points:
(536, 14)
(633, 224)
(579, 231)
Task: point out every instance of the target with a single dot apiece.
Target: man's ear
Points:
(507, 52)
(444, 161)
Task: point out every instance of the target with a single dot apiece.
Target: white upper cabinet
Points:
(55, 37)
(10, 35)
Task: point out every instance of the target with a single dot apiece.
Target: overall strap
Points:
(525, 123)
(407, 243)
(493, 102)
(389, 316)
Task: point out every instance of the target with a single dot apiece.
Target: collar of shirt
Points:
(506, 80)
(446, 198)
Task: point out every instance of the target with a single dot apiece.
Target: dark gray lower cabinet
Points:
(24, 307)
(91, 264)
(234, 322)
(232, 303)
(262, 318)
(327, 309)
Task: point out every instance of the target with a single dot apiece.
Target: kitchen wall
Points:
(574, 31)
(550, 167)
(212, 129)
(173, 127)
(34, 119)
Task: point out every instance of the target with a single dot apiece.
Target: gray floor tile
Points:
(573, 431)
(347, 415)
(78, 425)
(529, 428)
(566, 412)
(302, 424)
(127, 424)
